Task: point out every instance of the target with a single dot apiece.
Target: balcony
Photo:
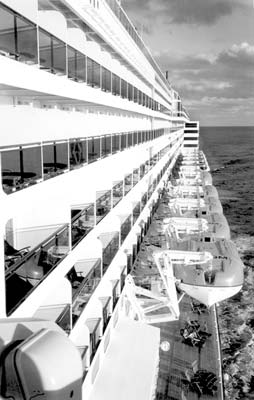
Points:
(110, 243)
(126, 227)
(127, 183)
(85, 276)
(103, 204)
(117, 192)
(82, 223)
(26, 273)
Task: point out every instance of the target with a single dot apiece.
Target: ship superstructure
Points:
(92, 135)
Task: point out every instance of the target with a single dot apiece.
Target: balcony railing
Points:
(84, 285)
(117, 192)
(110, 243)
(82, 223)
(22, 40)
(26, 165)
(103, 204)
(27, 273)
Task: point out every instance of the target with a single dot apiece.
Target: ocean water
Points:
(230, 154)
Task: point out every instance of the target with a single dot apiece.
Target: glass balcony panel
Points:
(94, 328)
(103, 204)
(105, 145)
(20, 168)
(51, 166)
(7, 33)
(122, 278)
(32, 165)
(150, 191)
(28, 272)
(115, 292)
(84, 358)
(110, 243)
(142, 170)
(105, 80)
(83, 286)
(135, 138)
(135, 176)
(94, 152)
(117, 192)
(82, 223)
(123, 89)
(106, 311)
(26, 41)
(115, 85)
(115, 143)
(127, 183)
(130, 92)
(143, 201)
(135, 95)
(45, 51)
(140, 97)
(81, 67)
(139, 136)
(125, 228)
(72, 63)
(147, 166)
(97, 74)
(59, 56)
(61, 156)
(136, 212)
(123, 141)
(130, 139)
(93, 73)
(64, 319)
(78, 152)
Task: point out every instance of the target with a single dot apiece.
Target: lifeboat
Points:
(216, 280)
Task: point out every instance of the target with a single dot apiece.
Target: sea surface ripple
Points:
(230, 154)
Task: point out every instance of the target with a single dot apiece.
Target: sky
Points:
(207, 46)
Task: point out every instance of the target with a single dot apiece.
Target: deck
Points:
(180, 360)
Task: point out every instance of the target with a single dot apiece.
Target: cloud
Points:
(222, 83)
(229, 73)
(193, 12)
